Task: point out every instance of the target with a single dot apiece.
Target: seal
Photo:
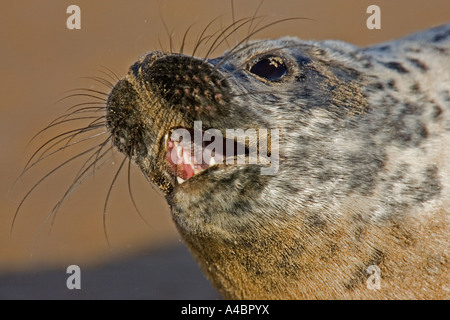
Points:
(359, 204)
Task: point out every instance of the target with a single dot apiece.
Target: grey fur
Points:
(364, 145)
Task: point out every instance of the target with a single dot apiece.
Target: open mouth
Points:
(187, 157)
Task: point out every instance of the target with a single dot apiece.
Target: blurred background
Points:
(41, 60)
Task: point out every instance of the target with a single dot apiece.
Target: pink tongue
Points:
(179, 166)
(188, 170)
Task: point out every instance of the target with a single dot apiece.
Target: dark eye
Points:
(269, 68)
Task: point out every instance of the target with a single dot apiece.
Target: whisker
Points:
(131, 194)
(85, 109)
(79, 178)
(51, 124)
(106, 202)
(96, 155)
(268, 25)
(233, 20)
(168, 33)
(115, 78)
(98, 152)
(183, 42)
(200, 37)
(214, 46)
(100, 80)
(224, 38)
(81, 95)
(56, 208)
(67, 120)
(52, 213)
(41, 180)
(89, 127)
(254, 18)
(160, 45)
(54, 138)
(88, 90)
(42, 157)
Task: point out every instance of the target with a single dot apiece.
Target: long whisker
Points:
(100, 80)
(84, 109)
(43, 157)
(96, 155)
(224, 38)
(254, 17)
(88, 90)
(200, 38)
(99, 121)
(114, 76)
(131, 194)
(168, 33)
(56, 208)
(64, 121)
(160, 45)
(233, 20)
(41, 180)
(184, 39)
(52, 124)
(232, 51)
(81, 95)
(57, 137)
(214, 45)
(106, 202)
(79, 178)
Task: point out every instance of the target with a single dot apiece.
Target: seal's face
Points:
(254, 87)
(229, 213)
(162, 93)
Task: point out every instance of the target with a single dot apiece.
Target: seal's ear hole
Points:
(271, 68)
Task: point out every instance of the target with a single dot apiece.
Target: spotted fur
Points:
(364, 175)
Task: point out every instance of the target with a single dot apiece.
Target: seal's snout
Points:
(161, 92)
(188, 85)
(123, 114)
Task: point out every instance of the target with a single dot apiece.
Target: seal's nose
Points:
(123, 118)
(188, 84)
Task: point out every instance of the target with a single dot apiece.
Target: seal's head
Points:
(290, 231)
(280, 85)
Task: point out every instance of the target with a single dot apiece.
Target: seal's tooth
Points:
(212, 161)
(180, 181)
(196, 170)
(179, 150)
(187, 158)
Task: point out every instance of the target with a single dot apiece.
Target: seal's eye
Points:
(269, 68)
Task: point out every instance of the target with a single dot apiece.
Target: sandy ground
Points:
(41, 60)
